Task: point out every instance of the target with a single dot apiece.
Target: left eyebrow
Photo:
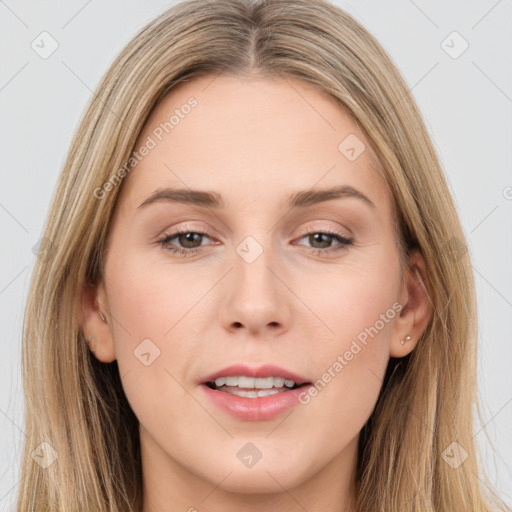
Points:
(310, 197)
(209, 199)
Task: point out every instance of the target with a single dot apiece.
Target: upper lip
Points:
(266, 370)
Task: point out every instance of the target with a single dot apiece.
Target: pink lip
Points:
(266, 370)
(255, 409)
(263, 408)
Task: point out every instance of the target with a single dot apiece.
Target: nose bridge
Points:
(251, 273)
(254, 296)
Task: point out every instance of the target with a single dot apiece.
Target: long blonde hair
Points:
(76, 406)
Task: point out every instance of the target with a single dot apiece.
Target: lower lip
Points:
(263, 408)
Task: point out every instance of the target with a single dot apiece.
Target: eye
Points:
(190, 240)
(324, 240)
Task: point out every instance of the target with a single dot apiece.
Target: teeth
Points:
(252, 382)
(253, 394)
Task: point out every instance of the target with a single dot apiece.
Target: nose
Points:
(255, 298)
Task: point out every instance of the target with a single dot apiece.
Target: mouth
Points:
(254, 382)
(254, 393)
(250, 387)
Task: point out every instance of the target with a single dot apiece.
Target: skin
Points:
(254, 141)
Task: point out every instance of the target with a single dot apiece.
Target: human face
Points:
(254, 288)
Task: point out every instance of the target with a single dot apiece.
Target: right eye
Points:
(187, 238)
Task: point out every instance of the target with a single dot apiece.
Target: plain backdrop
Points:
(465, 95)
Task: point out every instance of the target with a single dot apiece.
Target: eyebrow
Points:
(208, 199)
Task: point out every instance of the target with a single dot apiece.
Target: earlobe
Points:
(417, 308)
(93, 321)
(91, 341)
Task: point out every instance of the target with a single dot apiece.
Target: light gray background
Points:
(466, 102)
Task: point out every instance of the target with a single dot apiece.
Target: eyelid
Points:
(188, 229)
(184, 229)
(327, 229)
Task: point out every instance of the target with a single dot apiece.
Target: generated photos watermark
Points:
(150, 143)
(355, 348)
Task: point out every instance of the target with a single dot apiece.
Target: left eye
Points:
(324, 238)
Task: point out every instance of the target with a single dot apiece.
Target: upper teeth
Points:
(252, 382)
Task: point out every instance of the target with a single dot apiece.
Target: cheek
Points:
(359, 305)
(149, 298)
(356, 300)
(150, 306)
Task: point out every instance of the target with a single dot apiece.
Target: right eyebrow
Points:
(202, 198)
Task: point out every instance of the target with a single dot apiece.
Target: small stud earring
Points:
(406, 339)
(102, 316)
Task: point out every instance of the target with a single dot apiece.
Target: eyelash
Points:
(342, 239)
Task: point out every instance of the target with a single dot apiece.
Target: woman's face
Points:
(261, 278)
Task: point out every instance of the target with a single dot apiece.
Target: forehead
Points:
(252, 140)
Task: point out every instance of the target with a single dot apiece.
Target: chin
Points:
(254, 481)
(265, 476)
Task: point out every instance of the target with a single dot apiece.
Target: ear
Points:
(416, 309)
(94, 320)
